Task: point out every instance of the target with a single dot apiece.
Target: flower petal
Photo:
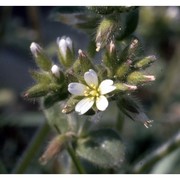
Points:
(102, 103)
(106, 86)
(77, 88)
(84, 105)
(91, 78)
(69, 42)
(62, 46)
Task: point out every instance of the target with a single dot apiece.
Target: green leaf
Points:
(169, 164)
(103, 148)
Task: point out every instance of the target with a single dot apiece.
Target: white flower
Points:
(64, 43)
(93, 92)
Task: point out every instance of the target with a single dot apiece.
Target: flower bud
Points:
(138, 78)
(66, 52)
(105, 32)
(130, 51)
(124, 87)
(70, 105)
(144, 63)
(55, 70)
(110, 59)
(123, 69)
(41, 59)
(55, 147)
(35, 49)
(36, 91)
(85, 62)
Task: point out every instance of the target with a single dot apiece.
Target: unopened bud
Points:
(36, 91)
(124, 87)
(64, 43)
(66, 52)
(85, 62)
(55, 70)
(124, 68)
(55, 147)
(70, 105)
(35, 49)
(105, 32)
(41, 59)
(138, 78)
(144, 63)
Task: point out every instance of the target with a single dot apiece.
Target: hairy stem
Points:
(75, 160)
(158, 154)
(32, 149)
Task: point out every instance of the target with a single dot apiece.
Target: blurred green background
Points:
(159, 31)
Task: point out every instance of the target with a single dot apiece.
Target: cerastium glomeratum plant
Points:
(78, 87)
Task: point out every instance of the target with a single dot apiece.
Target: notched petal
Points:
(106, 86)
(91, 78)
(84, 105)
(77, 88)
(102, 103)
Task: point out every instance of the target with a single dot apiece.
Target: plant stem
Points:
(75, 159)
(158, 154)
(32, 149)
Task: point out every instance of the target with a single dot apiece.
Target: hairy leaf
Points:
(103, 148)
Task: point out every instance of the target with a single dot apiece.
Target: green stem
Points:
(75, 159)
(35, 144)
(145, 164)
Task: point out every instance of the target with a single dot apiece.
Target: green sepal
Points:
(145, 62)
(110, 58)
(43, 61)
(105, 32)
(136, 78)
(41, 77)
(130, 51)
(70, 57)
(36, 91)
(70, 104)
(51, 99)
(85, 62)
(123, 70)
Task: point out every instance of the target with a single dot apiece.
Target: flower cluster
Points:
(90, 84)
(79, 84)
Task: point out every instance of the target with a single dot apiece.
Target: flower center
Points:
(92, 91)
